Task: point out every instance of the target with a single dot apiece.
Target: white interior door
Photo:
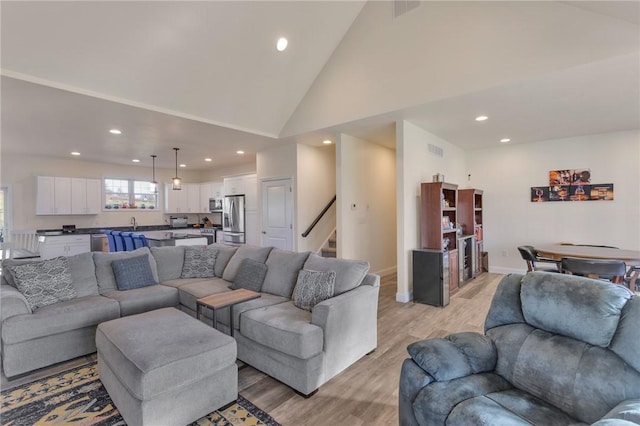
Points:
(277, 213)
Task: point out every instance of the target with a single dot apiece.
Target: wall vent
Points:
(436, 150)
(400, 7)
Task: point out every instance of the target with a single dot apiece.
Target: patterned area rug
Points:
(77, 397)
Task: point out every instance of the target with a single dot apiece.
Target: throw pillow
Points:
(44, 283)
(199, 262)
(133, 272)
(250, 275)
(312, 288)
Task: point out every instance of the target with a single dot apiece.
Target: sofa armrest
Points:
(625, 413)
(457, 355)
(12, 302)
(349, 325)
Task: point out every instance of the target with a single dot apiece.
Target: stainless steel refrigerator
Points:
(233, 219)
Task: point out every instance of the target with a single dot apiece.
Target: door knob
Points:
(264, 232)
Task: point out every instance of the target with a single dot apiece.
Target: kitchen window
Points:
(129, 194)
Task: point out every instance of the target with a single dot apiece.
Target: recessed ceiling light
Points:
(208, 159)
(135, 160)
(482, 118)
(240, 152)
(326, 141)
(115, 131)
(505, 140)
(282, 44)
(183, 165)
(75, 153)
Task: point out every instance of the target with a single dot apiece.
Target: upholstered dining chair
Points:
(530, 255)
(612, 270)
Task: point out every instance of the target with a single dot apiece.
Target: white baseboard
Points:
(404, 297)
(506, 271)
(386, 271)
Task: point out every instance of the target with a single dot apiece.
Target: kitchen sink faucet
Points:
(134, 223)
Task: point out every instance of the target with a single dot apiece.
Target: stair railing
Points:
(322, 213)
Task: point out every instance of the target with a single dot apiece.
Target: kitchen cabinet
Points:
(209, 190)
(63, 245)
(234, 185)
(185, 200)
(86, 196)
(66, 196)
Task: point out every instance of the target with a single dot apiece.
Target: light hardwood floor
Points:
(367, 392)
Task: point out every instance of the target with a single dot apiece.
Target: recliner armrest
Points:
(12, 302)
(457, 355)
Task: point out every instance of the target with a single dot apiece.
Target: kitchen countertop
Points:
(174, 234)
(140, 229)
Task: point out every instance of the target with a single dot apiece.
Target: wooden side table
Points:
(222, 300)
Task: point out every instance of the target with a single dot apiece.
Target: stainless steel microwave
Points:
(215, 204)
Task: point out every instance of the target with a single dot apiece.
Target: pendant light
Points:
(177, 182)
(154, 182)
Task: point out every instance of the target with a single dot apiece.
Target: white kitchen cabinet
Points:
(62, 195)
(185, 200)
(234, 185)
(209, 190)
(193, 197)
(86, 196)
(45, 188)
(65, 196)
(64, 245)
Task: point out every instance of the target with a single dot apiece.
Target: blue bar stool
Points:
(112, 242)
(119, 241)
(139, 241)
(128, 241)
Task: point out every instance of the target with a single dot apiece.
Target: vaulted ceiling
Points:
(206, 77)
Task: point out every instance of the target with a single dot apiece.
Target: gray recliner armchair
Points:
(557, 350)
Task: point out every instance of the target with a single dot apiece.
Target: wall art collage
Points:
(572, 185)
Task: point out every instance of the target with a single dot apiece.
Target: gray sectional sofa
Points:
(301, 348)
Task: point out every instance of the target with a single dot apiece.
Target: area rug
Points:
(77, 397)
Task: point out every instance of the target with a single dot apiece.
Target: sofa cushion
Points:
(250, 275)
(133, 272)
(312, 288)
(144, 299)
(285, 328)
(177, 283)
(45, 282)
(282, 273)
(59, 318)
(244, 252)
(170, 260)
(81, 268)
(580, 308)
(199, 262)
(104, 271)
(189, 293)
(222, 315)
(224, 254)
(349, 273)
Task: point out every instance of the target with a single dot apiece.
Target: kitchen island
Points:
(175, 238)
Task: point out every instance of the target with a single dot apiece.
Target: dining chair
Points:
(530, 255)
(612, 270)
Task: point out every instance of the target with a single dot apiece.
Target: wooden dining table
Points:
(558, 251)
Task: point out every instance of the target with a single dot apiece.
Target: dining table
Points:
(559, 251)
(630, 257)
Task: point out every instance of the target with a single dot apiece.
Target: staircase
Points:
(329, 249)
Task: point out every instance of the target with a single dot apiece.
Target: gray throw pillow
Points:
(133, 272)
(312, 288)
(199, 262)
(250, 275)
(44, 283)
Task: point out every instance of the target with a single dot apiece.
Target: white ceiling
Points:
(205, 77)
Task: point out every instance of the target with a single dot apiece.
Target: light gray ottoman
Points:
(164, 367)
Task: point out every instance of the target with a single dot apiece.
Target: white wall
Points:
(20, 171)
(315, 186)
(507, 172)
(218, 174)
(366, 202)
(415, 164)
